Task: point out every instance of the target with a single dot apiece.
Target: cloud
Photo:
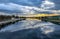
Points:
(47, 4)
(17, 7)
(23, 9)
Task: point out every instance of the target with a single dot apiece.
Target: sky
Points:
(28, 6)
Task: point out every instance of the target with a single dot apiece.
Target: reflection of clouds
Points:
(46, 27)
(31, 28)
(24, 25)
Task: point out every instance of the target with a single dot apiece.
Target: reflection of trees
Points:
(54, 18)
(50, 18)
(15, 16)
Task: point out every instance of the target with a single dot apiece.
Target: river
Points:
(31, 29)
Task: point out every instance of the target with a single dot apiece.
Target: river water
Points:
(31, 29)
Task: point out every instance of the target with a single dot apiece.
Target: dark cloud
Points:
(12, 7)
(57, 4)
(23, 2)
(18, 5)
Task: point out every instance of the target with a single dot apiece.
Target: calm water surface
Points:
(31, 29)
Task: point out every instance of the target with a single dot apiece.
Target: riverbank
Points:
(8, 22)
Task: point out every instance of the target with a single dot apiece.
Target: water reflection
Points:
(30, 29)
